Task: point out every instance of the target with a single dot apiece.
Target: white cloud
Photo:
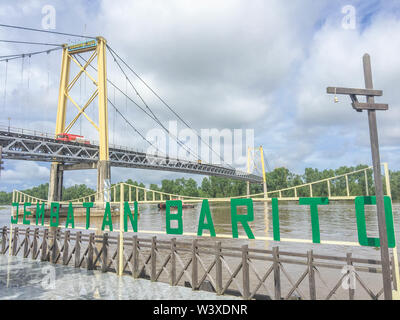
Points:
(24, 173)
(335, 59)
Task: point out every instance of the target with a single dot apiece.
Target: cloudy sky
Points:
(236, 64)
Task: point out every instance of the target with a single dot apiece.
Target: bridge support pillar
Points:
(55, 190)
(56, 182)
(265, 190)
(103, 181)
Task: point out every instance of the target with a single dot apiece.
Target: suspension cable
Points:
(155, 118)
(5, 85)
(122, 92)
(167, 105)
(137, 93)
(149, 115)
(48, 72)
(117, 110)
(22, 55)
(45, 31)
(29, 76)
(22, 79)
(131, 125)
(34, 43)
(267, 162)
(114, 116)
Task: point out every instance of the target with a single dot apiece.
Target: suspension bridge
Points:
(88, 57)
(64, 154)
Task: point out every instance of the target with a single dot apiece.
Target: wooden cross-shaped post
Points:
(371, 107)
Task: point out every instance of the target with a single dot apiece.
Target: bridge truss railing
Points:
(47, 135)
(343, 187)
(335, 188)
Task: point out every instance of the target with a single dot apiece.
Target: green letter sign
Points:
(363, 239)
(26, 213)
(15, 221)
(313, 203)
(88, 205)
(205, 214)
(107, 219)
(243, 219)
(70, 217)
(275, 220)
(128, 213)
(54, 214)
(40, 210)
(178, 217)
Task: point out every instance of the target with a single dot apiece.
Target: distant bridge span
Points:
(28, 145)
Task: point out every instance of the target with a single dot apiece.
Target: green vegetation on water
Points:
(217, 187)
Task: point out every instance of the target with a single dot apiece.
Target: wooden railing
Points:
(212, 266)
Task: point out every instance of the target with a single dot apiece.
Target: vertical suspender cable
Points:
(114, 116)
(22, 81)
(80, 102)
(5, 86)
(126, 99)
(48, 72)
(85, 87)
(29, 76)
(29, 69)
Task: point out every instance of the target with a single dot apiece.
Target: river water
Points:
(337, 223)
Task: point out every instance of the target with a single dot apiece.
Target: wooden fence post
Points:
(350, 270)
(43, 256)
(104, 257)
(90, 265)
(311, 275)
(35, 243)
(15, 242)
(153, 259)
(245, 272)
(218, 268)
(67, 235)
(55, 247)
(194, 265)
(4, 240)
(26, 243)
(277, 273)
(121, 231)
(135, 257)
(77, 258)
(394, 280)
(173, 262)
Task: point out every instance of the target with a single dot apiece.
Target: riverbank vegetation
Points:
(217, 187)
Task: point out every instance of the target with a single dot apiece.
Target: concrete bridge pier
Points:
(103, 181)
(265, 190)
(55, 188)
(56, 182)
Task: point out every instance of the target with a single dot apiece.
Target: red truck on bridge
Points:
(68, 137)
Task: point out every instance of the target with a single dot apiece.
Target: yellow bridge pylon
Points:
(251, 165)
(98, 47)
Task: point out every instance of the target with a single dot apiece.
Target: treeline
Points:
(217, 187)
(42, 191)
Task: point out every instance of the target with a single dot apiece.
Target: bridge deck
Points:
(34, 146)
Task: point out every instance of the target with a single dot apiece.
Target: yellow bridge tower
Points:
(251, 152)
(98, 47)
